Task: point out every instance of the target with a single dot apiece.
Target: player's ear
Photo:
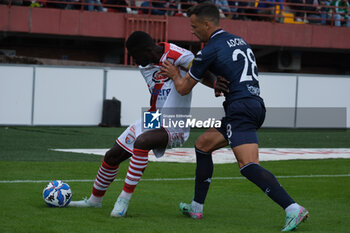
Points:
(207, 24)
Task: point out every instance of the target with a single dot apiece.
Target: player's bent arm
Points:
(208, 79)
(184, 85)
(218, 83)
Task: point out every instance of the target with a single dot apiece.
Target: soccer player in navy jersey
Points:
(231, 57)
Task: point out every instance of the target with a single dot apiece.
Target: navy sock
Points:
(204, 172)
(268, 183)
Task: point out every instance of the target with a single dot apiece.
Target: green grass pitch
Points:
(232, 205)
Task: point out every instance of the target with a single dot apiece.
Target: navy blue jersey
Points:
(231, 57)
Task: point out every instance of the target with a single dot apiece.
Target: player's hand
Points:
(169, 70)
(221, 86)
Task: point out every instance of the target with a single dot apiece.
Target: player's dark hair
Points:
(205, 10)
(139, 40)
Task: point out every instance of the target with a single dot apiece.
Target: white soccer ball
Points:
(57, 194)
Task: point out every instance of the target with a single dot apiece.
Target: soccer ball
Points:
(57, 194)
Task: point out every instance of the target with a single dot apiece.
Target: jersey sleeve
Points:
(185, 60)
(201, 62)
(150, 83)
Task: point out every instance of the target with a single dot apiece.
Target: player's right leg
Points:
(105, 176)
(148, 140)
(211, 140)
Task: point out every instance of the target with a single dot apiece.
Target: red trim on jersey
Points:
(156, 90)
(170, 54)
(124, 147)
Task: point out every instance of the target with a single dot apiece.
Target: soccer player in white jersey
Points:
(135, 142)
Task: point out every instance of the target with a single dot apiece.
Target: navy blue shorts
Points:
(243, 118)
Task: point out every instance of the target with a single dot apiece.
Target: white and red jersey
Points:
(161, 87)
(164, 98)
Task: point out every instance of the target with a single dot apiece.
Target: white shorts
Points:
(176, 138)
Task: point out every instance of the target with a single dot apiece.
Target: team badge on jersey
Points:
(158, 78)
(130, 138)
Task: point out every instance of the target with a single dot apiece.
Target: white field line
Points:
(225, 155)
(175, 179)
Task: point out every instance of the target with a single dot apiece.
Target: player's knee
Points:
(203, 143)
(111, 157)
(141, 142)
(116, 155)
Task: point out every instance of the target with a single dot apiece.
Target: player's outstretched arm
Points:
(183, 85)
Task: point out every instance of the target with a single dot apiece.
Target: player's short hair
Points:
(205, 10)
(139, 40)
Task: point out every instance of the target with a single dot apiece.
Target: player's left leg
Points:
(105, 176)
(148, 140)
(248, 160)
(248, 116)
(108, 170)
(211, 140)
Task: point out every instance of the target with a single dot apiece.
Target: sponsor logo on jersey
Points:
(198, 56)
(158, 78)
(161, 92)
(254, 90)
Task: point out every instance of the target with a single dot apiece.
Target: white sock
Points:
(95, 199)
(125, 195)
(196, 207)
(292, 207)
